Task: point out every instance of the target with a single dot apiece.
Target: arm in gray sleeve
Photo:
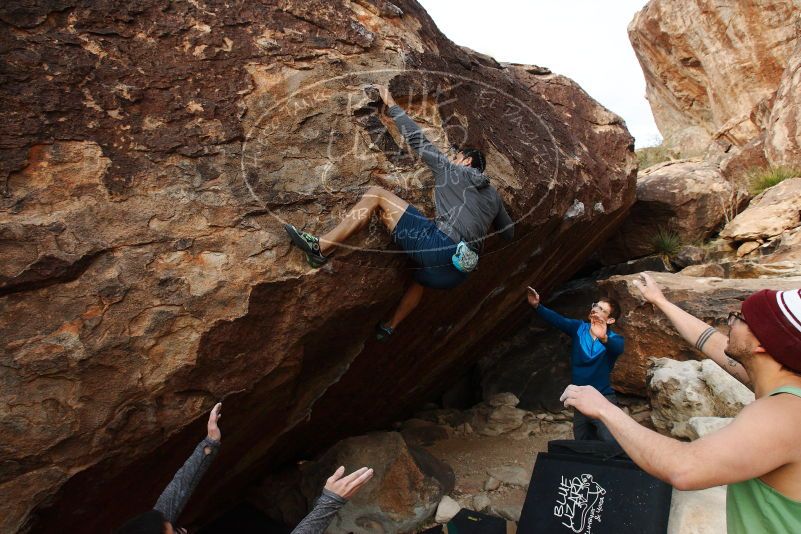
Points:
(503, 223)
(321, 515)
(172, 500)
(430, 154)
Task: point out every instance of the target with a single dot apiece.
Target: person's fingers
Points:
(565, 393)
(337, 474)
(362, 479)
(353, 476)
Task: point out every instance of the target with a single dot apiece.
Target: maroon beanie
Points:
(775, 319)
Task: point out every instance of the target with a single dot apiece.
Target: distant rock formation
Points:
(712, 71)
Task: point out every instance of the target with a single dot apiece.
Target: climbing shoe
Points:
(309, 244)
(383, 332)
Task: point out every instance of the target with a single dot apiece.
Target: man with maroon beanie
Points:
(759, 454)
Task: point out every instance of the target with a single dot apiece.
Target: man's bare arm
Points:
(761, 439)
(696, 332)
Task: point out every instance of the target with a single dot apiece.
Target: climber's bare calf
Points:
(390, 206)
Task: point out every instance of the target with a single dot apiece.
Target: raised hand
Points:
(347, 486)
(213, 431)
(598, 327)
(533, 297)
(649, 289)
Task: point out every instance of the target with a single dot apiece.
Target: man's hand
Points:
(348, 486)
(212, 428)
(585, 399)
(383, 90)
(649, 289)
(533, 297)
(598, 328)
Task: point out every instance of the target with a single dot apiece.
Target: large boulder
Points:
(688, 198)
(771, 213)
(682, 391)
(151, 153)
(406, 488)
(712, 70)
(649, 334)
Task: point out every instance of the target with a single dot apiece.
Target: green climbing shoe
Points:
(309, 244)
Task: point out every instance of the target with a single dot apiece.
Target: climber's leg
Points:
(409, 301)
(376, 198)
(391, 208)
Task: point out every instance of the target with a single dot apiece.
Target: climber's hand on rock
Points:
(533, 297)
(347, 486)
(212, 428)
(585, 399)
(386, 96)
(649, 289)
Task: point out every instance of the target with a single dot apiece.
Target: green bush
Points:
(765, 178)
(666, 242)
(651, 155)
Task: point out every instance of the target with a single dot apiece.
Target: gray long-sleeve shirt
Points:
(172, 500)
(321, 515)
(465, 201)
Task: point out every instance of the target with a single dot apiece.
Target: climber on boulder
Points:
(445, 248)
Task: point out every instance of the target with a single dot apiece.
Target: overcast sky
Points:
(585, 40)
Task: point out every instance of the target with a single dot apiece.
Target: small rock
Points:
(492, 484)
(509, 511)
(699, 512)
(747, 248)
(688, 255)
(699, 427)
(503, 399)
(481, 502)
(503, 420)
(511, 475)
(446, 509)
(705, 270)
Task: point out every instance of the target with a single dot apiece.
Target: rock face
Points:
(648, 332)
(149, 156)
(770, 214)
(681, 391)
(405, 490)
(712, 71)
(689, 198)
(783, 134)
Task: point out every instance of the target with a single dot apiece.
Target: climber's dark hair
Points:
(476, 156)
(614, 307)
(151, 522)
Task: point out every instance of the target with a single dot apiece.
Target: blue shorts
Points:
(430, 248)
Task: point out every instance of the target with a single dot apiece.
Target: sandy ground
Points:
(473, 456)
